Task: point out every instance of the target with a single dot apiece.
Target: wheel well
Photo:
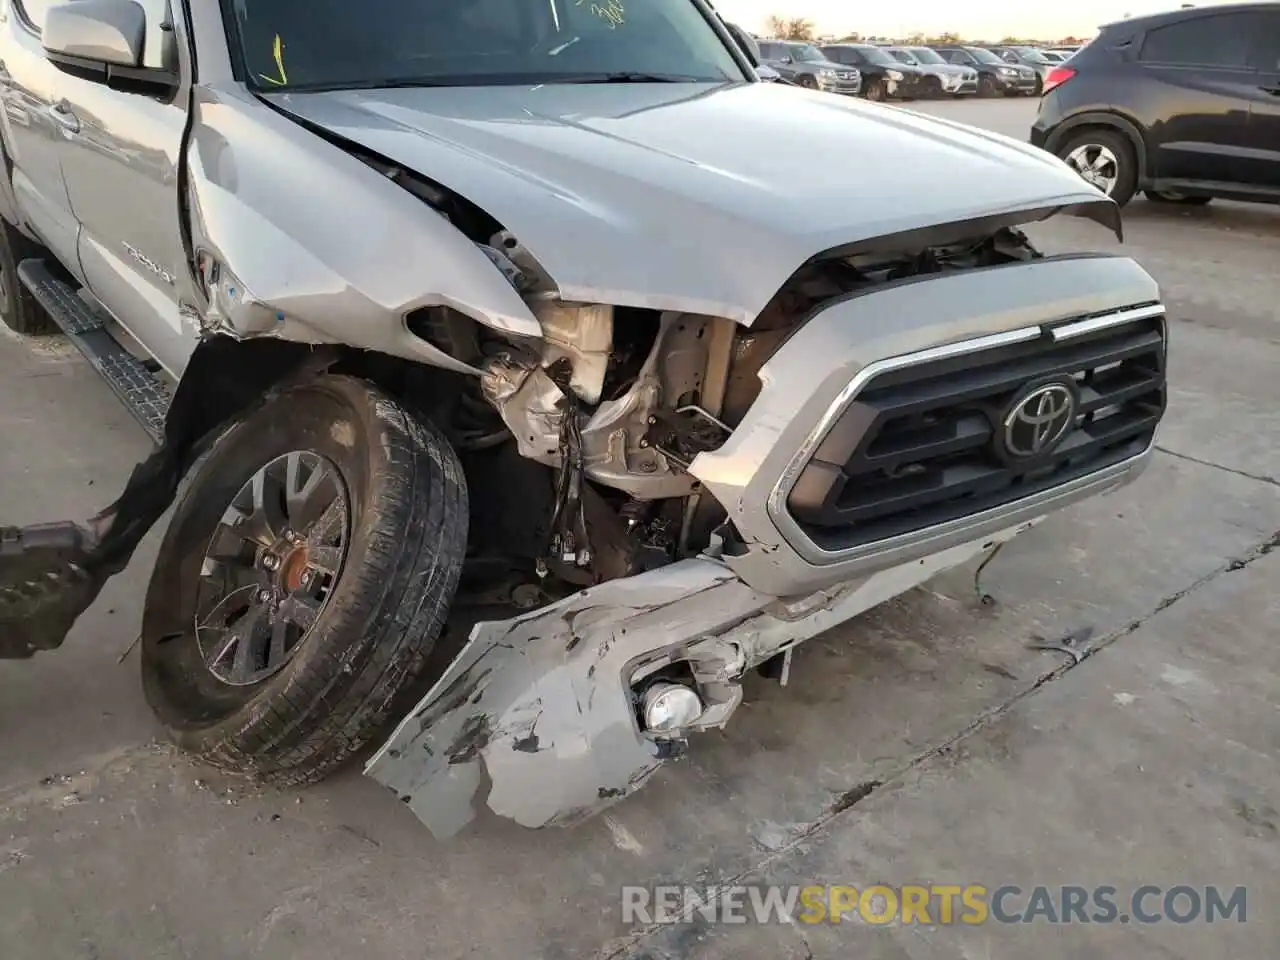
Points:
(227, 378)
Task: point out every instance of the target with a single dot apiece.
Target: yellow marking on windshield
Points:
(277, 51)
(611, 12)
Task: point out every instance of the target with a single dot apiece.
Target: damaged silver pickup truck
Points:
(528, 372)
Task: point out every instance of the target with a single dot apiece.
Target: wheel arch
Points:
(226, 378)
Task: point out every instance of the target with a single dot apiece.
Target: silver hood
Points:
(691, 197)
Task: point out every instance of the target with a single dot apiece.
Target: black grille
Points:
(919, 446)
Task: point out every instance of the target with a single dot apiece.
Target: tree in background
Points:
(916, 39)
(945, 38)
(792, 28)
(851, 38)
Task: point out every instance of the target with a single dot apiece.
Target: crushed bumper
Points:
(537, 718)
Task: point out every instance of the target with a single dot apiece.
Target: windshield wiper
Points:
(633, 77)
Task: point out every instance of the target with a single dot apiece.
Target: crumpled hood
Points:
(690, 197)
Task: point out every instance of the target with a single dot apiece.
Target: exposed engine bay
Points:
(578, 445)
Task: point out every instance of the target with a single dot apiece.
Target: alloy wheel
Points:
(271, 566)
(1097, 164)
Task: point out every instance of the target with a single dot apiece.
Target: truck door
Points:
(32, 125)
(121, 167)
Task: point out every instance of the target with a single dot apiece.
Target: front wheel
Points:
(877, 90)
(987, 87)
(807, 81)
(306, 574)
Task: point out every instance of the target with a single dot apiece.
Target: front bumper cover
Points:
(536, 718)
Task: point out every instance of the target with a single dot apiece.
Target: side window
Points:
(1266, 48)
(1216, 41)
(958, 56)
(836, 55)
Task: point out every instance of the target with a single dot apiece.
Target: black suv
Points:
(883, 77)
(995, 76)
(1183, 105)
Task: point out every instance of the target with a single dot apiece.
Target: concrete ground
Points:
(924, 743)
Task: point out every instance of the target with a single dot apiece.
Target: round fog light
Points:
(670, 706)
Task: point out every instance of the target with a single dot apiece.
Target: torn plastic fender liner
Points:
(536, 717)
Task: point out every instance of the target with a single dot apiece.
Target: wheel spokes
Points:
(270, 567)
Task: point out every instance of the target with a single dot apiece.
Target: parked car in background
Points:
(1026, 57)
(1055, 57)
(883, 77)
(953, 79)
(805, 64)
(995, 77)
(1183, 105)
(751, 47)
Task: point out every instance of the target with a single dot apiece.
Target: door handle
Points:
(64, 116)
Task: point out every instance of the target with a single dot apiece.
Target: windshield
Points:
(335, 44)
(925, 55)
(903, 56)
(983, 56)
(804, 53)
(1031, 55)
(876, 55)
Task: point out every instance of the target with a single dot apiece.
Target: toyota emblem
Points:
(1038, 419)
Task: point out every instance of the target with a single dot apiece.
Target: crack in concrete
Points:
(855, 795)
(1218, 466)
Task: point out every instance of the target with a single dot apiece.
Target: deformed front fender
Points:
(333, 252)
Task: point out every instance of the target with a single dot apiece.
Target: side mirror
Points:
(96, 31)
(103, 41)
(746, 43)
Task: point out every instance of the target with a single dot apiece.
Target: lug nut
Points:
(264, 596)
(271, 562)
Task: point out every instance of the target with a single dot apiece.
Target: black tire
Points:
(807, 81)
(18, 308)
(1180, 199)
(877, 90)
(987, 86)
(932, 88)
(387, 603)
(1126, 161)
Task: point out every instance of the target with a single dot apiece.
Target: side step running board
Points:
(146, 396)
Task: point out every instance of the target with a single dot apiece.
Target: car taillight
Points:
(1056, 78)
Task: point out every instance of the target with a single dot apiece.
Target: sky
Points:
(974, 19)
